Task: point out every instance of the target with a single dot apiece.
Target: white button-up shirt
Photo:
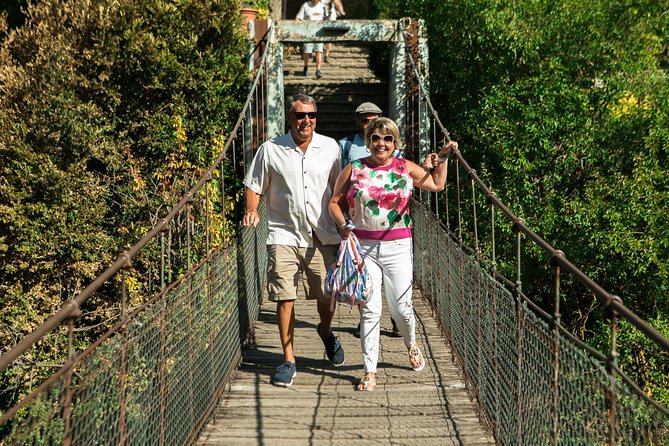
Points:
(298, 188)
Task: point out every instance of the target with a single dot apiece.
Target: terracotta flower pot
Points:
(249, 15)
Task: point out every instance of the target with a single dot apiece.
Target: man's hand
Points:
(251, 218)
(251, 201)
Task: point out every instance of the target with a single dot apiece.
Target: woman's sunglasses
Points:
(386, 138)
(302, 115)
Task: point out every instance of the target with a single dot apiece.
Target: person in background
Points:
(312, 10)
(339, 7)
(375, 193)
(332, 10)
(296, 172)
(353, 148)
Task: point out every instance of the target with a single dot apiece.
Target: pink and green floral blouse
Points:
(378, 199)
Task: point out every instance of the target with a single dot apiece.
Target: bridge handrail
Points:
(612, 302)
(71, 308)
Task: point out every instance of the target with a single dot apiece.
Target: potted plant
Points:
(254, 9)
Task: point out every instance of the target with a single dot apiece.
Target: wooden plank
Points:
(323, 407)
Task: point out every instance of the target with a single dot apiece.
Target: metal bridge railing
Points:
(155, 376)
(535, 382)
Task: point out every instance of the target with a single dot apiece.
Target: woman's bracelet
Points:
(440, 161)
(348, 225)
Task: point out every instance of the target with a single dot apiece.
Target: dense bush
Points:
(564, 108)
(109, 111)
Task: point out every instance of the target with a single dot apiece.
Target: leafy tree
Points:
(109, 111)
(562, 107)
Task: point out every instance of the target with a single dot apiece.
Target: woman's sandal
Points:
(416, 358)
(367, 383)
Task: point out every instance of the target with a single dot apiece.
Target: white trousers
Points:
(389, 262)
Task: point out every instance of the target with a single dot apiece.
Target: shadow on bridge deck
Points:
(322, 406)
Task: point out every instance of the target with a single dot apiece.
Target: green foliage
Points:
(109, 112)
(640, 358)
(563, 108)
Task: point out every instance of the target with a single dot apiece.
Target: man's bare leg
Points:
(328, 48)
(319, 60)
(326, 318)
(339, 7)
(333, 349)
(305, 59)
(285, 315)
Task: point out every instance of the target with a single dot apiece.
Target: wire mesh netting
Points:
(536, 383)
(157, 379)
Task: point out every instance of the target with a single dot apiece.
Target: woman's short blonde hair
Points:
(387, 126)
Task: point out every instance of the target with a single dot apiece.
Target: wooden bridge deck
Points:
(322, 406)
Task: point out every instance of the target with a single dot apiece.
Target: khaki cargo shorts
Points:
(287, 266)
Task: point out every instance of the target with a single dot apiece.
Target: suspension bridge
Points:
(191, 364)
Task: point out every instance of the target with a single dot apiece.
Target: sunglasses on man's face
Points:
(386, 138)
(302, 115)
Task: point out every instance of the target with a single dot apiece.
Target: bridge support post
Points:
(397, 95)
(612, 365)
(519, 340)
(275, 97)
(423, 71)
(555, 429)
(247, 129)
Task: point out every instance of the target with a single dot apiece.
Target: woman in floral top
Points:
(375, 193)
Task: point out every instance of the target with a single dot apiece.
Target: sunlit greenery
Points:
(109, 112)
(563, 107)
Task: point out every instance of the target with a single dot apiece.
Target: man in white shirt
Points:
(312, 10)
(297, 172)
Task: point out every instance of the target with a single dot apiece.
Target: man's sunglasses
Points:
(302, 115)
(386, 138)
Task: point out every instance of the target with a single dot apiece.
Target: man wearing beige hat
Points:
(353, 148)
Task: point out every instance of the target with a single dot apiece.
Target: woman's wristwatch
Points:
(349, 225)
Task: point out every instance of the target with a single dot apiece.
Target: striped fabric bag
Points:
(347, 279)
